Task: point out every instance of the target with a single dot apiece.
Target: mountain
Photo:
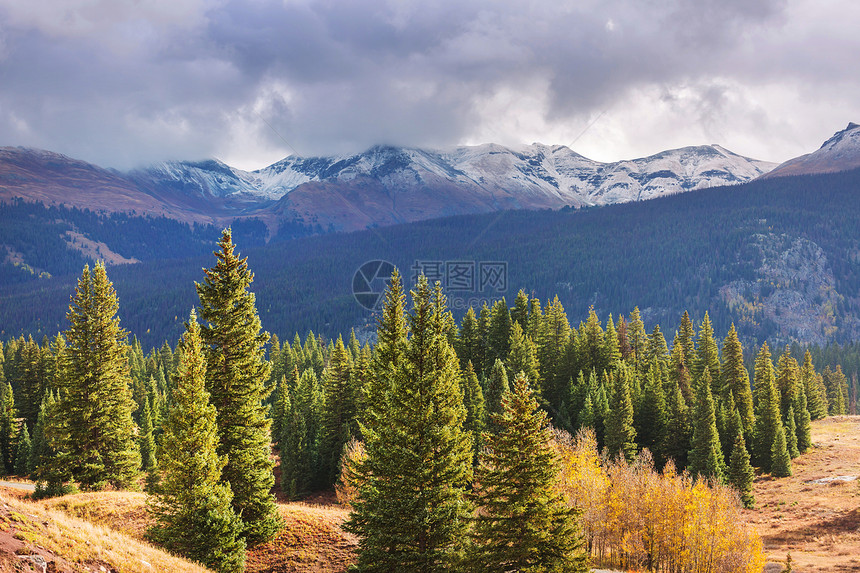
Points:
(381, 186)
(839, 153)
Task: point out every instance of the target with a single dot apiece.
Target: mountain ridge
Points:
(380, 186)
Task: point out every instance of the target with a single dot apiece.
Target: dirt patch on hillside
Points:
(811, 515)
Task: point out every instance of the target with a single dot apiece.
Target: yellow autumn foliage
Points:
(634, 517)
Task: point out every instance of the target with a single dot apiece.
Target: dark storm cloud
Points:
(112, 82)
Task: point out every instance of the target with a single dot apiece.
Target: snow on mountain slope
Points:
(525, 176)
(839, 153)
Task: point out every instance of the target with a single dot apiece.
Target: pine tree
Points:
(523, 357)
(499, 333)
(7, 428)
(787, 382)
(780, 457)
(469, 348)
(473, 400)
(520, 312)
(736, 379)
(524, 523)
(803, 424)
(834, 381)
(611, 350)
(767, 418)
(411, 510)
(637, 335)
(620, 433)
(707, 357)
(657, 347)
(97, 444)
(22, 454)
(679, 372)
(591, 347)
(815, 399)
(684, 338)
(679, 432)
(553, 337)
(741, 474)
(497, 385)
(236, 381)
(651, 415)
(40, 449)
(706, 456)
(147, 439)
(193, 513)
(791, 433)
(391, 340)
(338, 412)
(300, 438)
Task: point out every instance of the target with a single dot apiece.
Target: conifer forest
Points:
(510, 440)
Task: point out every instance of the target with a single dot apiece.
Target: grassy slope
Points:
(312, 540)
(817, 523)
(74, 544)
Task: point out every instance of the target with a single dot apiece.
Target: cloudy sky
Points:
(125, 82)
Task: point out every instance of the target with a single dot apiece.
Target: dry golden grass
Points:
(819, 524)
(312, 540)
(122, 511)
(79, 545)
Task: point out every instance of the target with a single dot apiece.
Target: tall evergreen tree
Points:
(524, 523)
(679, 372)
(787, 383)
(554, 334)
(7, 428)
(473, 400)
(816, 399)
(767, 418)
(657, 347)
(469, 347)
(300, 438)
(803, 424)
(684, 338)
(338, 412)
(499, 333)
(611, 349)
(97, 439)
(22, 453)
(637, 335)
(791, 433)
(236, 379)
(736, 379)
(620, 433)
(520, 312)
(523, 357)
(741, 474)
(706, 456)
(147, 438)
(497, 385)
(679, 432)
(391, 340)
(193, 513)
(651, 417)
(411, 510)
(780, 456)
(707, 357)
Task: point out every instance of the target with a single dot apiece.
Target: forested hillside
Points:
(780, 258)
